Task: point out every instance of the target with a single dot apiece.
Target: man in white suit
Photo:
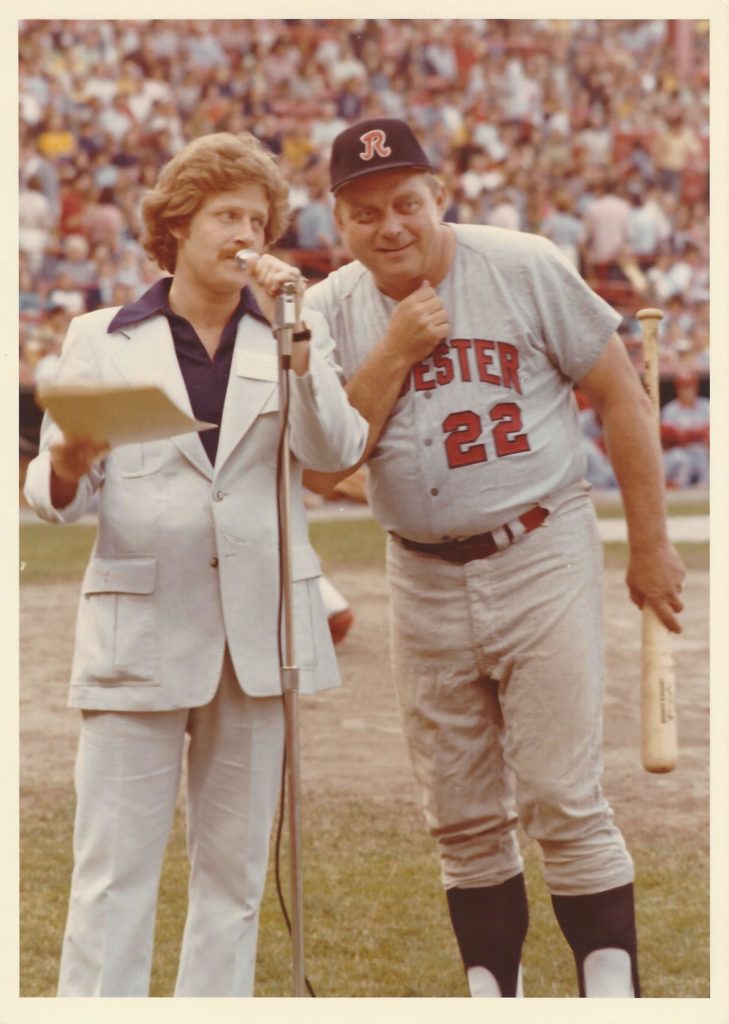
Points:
(177, 625)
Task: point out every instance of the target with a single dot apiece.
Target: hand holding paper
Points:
(116, 415)
(70, 460)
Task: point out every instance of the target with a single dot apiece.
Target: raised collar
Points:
(156, 300)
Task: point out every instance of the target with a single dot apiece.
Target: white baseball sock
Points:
(483, 985)
(608, 974)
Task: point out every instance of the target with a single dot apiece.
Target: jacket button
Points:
(214, 563)
(218, 496)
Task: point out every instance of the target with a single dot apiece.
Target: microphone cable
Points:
(280, 455)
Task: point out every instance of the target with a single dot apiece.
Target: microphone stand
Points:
(284, 322)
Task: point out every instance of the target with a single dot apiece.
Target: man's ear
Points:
(178, 229)
(441, 196)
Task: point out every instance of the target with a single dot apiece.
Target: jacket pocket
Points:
(139, 458)
(117, 625)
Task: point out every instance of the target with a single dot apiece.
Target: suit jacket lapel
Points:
(246, 395)
(146, 355)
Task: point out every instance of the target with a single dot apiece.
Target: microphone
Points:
(285, 316)
(246, 257)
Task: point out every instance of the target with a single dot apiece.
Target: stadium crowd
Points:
(592, 133)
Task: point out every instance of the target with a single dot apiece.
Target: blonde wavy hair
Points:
(220, 162)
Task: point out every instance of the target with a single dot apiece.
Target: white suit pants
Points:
(127, 780)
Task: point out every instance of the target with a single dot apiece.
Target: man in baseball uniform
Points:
(461, 346)
(176, 640)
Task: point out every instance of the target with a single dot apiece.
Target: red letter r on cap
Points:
(374, 142)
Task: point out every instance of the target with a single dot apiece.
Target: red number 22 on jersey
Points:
(463, 430)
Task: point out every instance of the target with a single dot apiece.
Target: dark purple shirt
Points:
(206, 379)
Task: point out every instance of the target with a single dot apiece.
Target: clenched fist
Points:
(418, 324)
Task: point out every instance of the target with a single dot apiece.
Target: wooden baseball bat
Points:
(659, 745)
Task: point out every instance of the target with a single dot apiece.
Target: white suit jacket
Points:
(186, 554)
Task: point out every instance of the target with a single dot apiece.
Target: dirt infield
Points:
(350, 738)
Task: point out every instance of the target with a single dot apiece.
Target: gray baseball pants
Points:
(499, 667)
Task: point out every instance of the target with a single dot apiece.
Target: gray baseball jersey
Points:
(486, 426)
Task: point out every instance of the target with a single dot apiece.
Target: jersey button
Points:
(214, 563)
(434, 491)
(428, 442)
(218, 496)
(428, 395)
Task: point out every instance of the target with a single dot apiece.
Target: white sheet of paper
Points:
(257, 365)
(118, 415)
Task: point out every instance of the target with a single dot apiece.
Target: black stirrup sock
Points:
(490, 925)
(599, 920)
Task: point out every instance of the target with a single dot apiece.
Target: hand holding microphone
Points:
(279, 289)
(271, 274)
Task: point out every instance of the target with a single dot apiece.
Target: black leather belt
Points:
(481, 545)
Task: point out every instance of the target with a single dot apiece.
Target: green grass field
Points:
(376, 920)
(340, 543)
(375, 917)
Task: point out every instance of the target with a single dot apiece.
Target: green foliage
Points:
(376, 922)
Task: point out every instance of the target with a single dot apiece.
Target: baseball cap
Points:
(376, 144)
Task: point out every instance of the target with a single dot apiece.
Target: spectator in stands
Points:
(684, 275)
(315, 226)
(47, 365)
(116, 121)
(502, 212)
(65, 292)
(35, 221)
(29, 301)
(325, 126)
(673, 151)
(563, 228)
(677, 310)
(638, 163)
(606, 229)
(76, 263)
(32, 161)
(659, 277)
(685, 434)
(598, 470)
(648, 226)
(56, 141)
(31, 351)
(481, 175)
(699, 355)
(103, 221)
(596, 141)
(545, 102)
